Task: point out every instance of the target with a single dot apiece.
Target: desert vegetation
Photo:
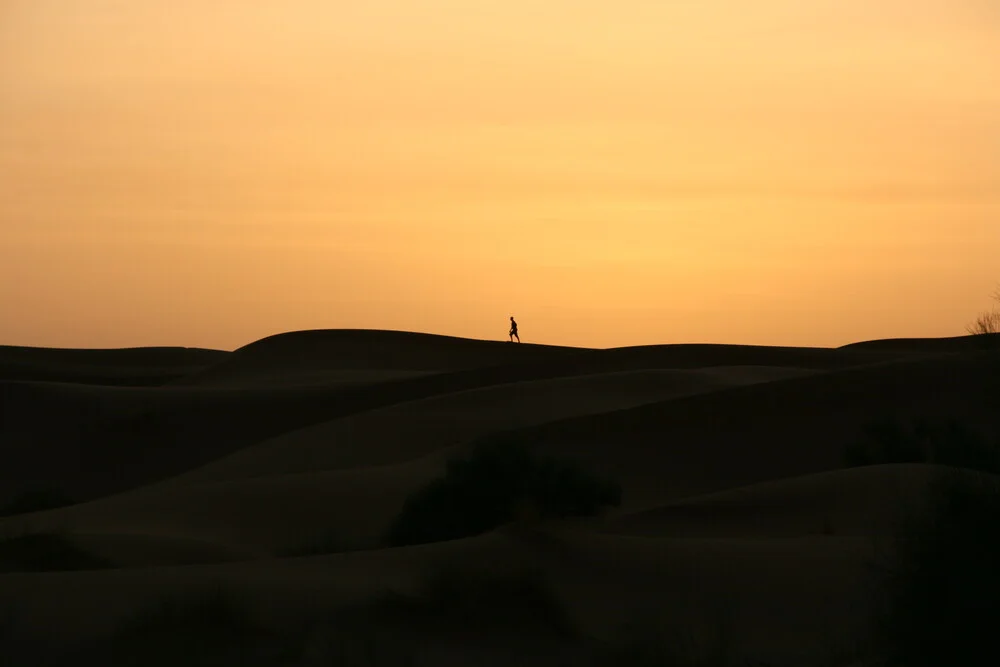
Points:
(940, 583)
(500, 481)
(988, 321)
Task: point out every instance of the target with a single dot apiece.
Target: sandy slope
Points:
(410, 429)
(126, 367)
(256, 517)
(358, 356)
(737, 512)
(763, 588)
(70, 437)
(927, 345)
(744, 435)
(353, 474)
(309, 356)
(871, 500)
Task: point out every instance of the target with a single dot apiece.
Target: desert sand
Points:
(274, 471)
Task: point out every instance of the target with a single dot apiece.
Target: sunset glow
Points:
(206, 173)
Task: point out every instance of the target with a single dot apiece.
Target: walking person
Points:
(513, 330)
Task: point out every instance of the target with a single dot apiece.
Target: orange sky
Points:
(208, 172)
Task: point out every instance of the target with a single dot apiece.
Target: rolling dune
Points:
(743, 435)
(125, 367)
(411, 429)
(92, 441)
(870, 500)
(312, 356)
(737, 511)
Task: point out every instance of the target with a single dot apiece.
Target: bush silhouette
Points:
(988, 322)
(942, 584)
(495, 484)
(944, 442)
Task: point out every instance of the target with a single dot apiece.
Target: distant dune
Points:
(337, 356)
(362, 356)
(410, 429)
(736, 508)
(929, 345)
(140, 366)
(870, 500)
(742, 435)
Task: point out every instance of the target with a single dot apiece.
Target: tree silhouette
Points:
(988, 322)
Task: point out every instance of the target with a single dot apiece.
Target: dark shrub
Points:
(942, 584)
(491, 486)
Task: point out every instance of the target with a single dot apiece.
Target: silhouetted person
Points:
(513, 330)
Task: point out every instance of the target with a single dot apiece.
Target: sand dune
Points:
(742, 435)
(126, 367)
(258, 517)
(66, 437)
(737, 511)
(355, 473)
(338, 356)
(307, 356)
(927, 345)
(762, 588)
(411, 429)
(870, 500)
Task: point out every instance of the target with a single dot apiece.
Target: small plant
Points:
(499, 482)
(942, 585)
(987, 322)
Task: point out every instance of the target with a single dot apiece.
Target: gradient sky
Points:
(208, 172)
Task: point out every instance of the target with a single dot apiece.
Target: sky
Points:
(777, 172)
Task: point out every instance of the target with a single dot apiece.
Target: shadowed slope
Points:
(344, 355)
(779, 429)
(411, 429)
(928, 345)
(659, 452)
(872, 500)
(91, 441)
(671, 456)
(141, 366)
(355, 472)
(767, 588)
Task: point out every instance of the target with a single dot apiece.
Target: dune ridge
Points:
(142, 366)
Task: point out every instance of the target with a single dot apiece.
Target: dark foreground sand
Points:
(195, 471)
